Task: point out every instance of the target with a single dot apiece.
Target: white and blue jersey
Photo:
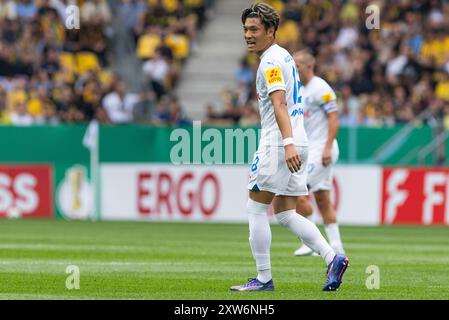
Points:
(269, 170)
(319, 100)
(277, 71)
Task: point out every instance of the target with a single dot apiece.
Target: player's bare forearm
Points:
(283, 120)
(332, 123)
(281, 113)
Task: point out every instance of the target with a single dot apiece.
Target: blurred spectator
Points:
(177, 116)
(396, 64)
(446, 117)
(162, 113)
(48, 115)
(50, 61)
(95, 12)
(119, 103)
(73, 114)
(244, 77)
(347, 36)
(231, 114)
(144, 109)
(346, 118)
(388, 117)
(20, 116)
(211, 114)
(249, 116)
(26, 9)
(8, 10)
(156, 70)
(38, 98)
(4, 114)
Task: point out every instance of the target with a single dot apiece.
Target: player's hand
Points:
(326, 157)
(292, 158)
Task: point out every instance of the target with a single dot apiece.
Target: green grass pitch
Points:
(175, 261)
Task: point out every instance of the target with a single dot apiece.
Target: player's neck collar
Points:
(268, 49)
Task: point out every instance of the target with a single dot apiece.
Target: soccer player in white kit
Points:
(277, 174)
(321, 124)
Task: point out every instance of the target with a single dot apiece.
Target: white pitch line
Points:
(150, 248)
(51, 266)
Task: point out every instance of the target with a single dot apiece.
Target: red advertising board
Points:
(415, 196)
(26, 190)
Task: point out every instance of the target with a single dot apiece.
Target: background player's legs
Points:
(260, 232)
(329, 215)
(304, 208)
(285, 211)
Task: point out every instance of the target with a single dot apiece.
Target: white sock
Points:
(308, 218)
(333, 234)
(308, 232)
(260, 238)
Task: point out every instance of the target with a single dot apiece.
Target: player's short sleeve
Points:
(327, 98)
(272, 75)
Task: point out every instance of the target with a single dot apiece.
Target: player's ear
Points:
(270, 31)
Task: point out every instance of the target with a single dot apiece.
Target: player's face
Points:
(256, 37)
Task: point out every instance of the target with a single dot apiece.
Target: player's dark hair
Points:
(267, 15)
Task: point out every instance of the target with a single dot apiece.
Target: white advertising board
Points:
(201, 193)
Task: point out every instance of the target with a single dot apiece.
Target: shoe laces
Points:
(251, 282)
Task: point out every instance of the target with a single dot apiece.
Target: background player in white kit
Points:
(277, 175)
(321, 124)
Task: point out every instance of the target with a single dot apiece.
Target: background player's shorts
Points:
(318, 176)
(269, 172)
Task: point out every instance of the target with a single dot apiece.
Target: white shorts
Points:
(320, 177)
(269, 172)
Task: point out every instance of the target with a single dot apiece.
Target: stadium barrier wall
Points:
(44, 173)
(162, 192)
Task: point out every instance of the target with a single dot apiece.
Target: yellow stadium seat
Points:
(86, 61)
(288, 32)
(34, 107)
(64, 75)
(146, 45)
(179, 44)
(278, 5)
(106, 77)
(442, 90)
(15, 97)
(67, 59)
(5, 118)
(170, 5)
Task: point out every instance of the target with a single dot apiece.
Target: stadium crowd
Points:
(382, 77)
(51, 74)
